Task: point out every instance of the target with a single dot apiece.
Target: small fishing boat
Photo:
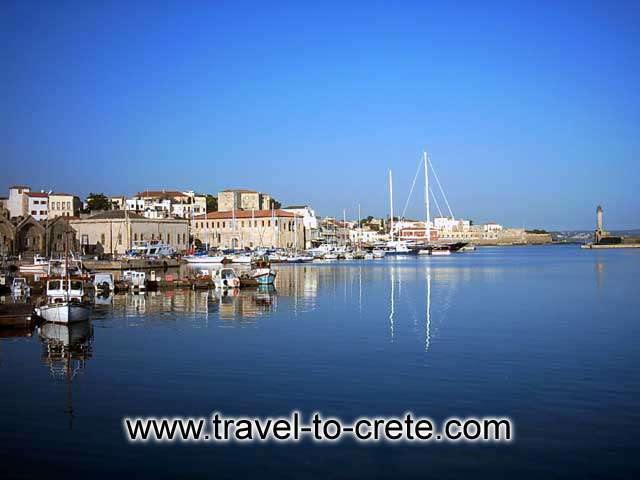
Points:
(64, 302)
(368, 256)
(378, 253)
(330, 256)
(226, 278)
(20, 287)
(468, 248)
(260, 274)
(440, 251)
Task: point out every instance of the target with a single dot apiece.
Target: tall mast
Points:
(391, 204)
(426, 197)
(344, 227)
(359, 228)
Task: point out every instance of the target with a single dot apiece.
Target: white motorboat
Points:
(330, 256)
(64, 302)
(204, 259)
(136, 280)
(103, 282)
(378, 253)
(242, 258)
(20, 287)
(226, 278)
(152, 249)
(468, 248)
(40, 266)
(368, 256)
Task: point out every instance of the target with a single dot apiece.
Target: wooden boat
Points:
(64, 302)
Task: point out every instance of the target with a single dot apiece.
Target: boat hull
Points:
(204, 260)
(64, 313)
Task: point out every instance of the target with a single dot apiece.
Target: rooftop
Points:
(160, 193)
(37, 194)
(19, 186)
(114, 215)
(239, 190)
(246, 214)
(295, 207)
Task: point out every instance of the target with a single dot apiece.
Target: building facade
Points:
(17, 203)
(37, 205)
(256, 228)
(242, 199)
(64, 205)
(157, 204)
(113, 232)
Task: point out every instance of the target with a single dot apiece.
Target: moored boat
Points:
(64, 302)
(226, 278)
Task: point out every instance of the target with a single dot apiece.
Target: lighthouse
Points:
(599, 226)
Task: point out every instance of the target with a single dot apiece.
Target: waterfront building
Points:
(366, 236)
(114, 231)
(37, 205)
(255, 228)
(158, 204)
(64, 205)
(243, 199)
(309, 222)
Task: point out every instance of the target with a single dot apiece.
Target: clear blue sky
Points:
(531, 110)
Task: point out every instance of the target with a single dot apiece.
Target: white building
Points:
(366, 236)
(37, 205)
(309, 221)
(158, 204)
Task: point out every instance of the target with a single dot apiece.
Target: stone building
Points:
(256, 228)
(114, 231)
(159, 204)
(58, 231)
(29, 237)
(242, 199)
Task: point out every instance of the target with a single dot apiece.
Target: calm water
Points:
(545, 335)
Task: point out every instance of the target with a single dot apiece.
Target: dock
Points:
(134, 264)
(16, 315)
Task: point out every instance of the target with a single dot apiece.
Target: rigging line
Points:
(439, 185)
(412, 187)
(436, 202)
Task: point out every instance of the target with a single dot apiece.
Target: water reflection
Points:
(66, 350)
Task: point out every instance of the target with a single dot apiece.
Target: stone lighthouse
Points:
(599, 225)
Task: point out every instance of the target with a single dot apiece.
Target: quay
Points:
(607, 246)
(132, 264)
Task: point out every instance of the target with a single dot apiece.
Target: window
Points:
(153, 236)
(168, 238)
(119, 239)
(102, 238)
(135, 237)
(141, 236)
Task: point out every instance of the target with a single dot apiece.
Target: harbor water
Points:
(544, 335)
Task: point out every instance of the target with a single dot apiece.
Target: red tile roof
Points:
(160, 193)
(246, 214)
(37, 194)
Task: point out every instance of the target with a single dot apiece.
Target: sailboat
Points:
(394, 247)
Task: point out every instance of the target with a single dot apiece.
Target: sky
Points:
(530, 110)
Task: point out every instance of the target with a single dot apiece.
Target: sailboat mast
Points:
(359, 228)
(426, 197)
(391, 204)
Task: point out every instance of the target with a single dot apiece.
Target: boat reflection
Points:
(66, 350)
